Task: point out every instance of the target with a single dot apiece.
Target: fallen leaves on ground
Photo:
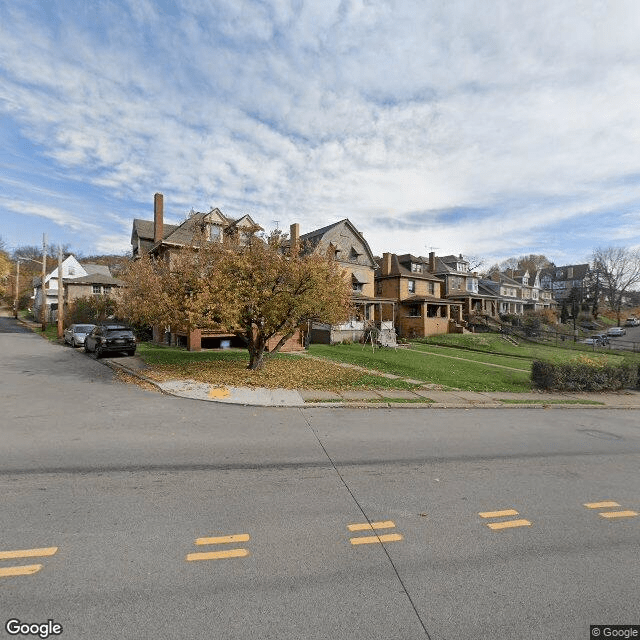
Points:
(283, 373)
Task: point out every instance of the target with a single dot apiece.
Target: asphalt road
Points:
(118, 483)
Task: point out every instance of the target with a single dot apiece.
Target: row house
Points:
(463, 286)
(559, 281)
(507, 291)
(421, 307)
(351, 251)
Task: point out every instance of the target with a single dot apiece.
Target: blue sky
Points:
(488, 129)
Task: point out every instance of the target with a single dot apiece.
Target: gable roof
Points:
(315, 237)
(94, 278)
(96, 268)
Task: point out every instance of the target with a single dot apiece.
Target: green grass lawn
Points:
(464, 361)
(456, 374)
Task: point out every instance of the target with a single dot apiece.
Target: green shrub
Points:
(585, 375)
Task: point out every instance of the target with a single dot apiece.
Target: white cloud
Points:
(317, 111)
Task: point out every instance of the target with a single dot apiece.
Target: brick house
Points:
(421, 308)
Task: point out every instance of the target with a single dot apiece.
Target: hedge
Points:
(580, 376)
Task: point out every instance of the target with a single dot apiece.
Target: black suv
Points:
(110, 338)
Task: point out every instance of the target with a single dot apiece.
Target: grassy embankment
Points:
(471, 362)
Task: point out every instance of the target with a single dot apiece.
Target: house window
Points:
(353, 255)
(416, 268)
(97, 289)
(357, 286)
(472, 285)
(215, 233)
(411, 286)
(414, 311)
(106, 290)
(379, 288)
(432, 288)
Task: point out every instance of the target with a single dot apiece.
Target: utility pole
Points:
(17, 296)
(43, 297)
(60, 292)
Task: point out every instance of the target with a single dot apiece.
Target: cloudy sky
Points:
(486, 128)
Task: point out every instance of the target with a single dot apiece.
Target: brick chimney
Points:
(432, 262)
(157, 217)
(386, 264)
(294, 237)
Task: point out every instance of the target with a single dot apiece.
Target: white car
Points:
(616, 331)
(76, 333)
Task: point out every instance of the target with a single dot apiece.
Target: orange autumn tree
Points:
(258, 291)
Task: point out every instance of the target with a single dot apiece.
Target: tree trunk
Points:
(257, 345)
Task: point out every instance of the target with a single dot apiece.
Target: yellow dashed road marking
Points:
(218, 555)
(28, 553)
(498, 514)
(618, 514)
(508, 524)
(601, 505)
(20, 571)
(388, 537)
(387, 524)
(240, 537)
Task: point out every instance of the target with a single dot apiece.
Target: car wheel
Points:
(98, 352)
(74, 343)
(131, 353)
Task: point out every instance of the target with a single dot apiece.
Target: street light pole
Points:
(43, 298)
(60, 292)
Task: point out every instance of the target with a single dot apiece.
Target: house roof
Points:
(414, 299)
(96, 268)
(94, 278)
(398, 268)
(186, 233)
(316, 236)
(580, 271)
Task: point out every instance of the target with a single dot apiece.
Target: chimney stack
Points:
(294, 237)
(386, 264)
(432, 262)
(158, 206)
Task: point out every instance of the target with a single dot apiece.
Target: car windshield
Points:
(119, 333)
(83, 328)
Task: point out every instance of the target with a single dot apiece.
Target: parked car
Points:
(590, 325)
(76, 333)
(632, 322)
(597, 340)
(616, 331)
(110, 338)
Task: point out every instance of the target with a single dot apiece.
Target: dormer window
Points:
(416, 268)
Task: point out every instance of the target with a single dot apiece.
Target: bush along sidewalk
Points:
(585, 375)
